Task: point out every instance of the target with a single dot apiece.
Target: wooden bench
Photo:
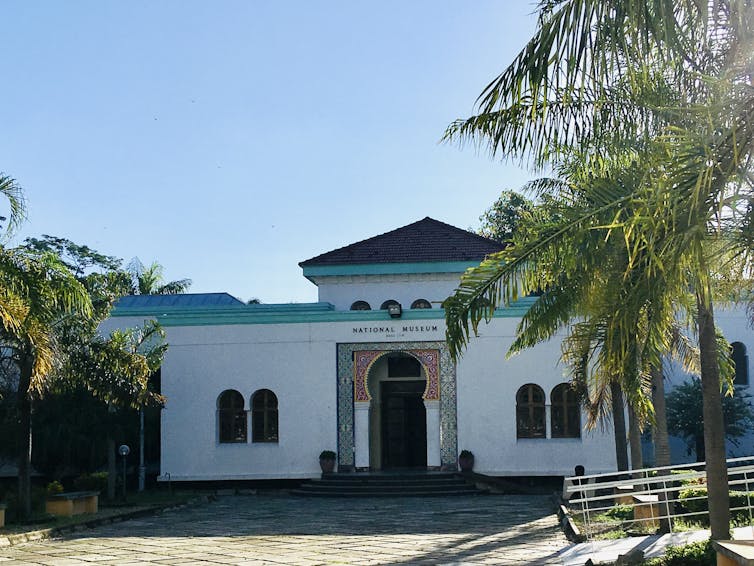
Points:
(72, 503)
(734, 552)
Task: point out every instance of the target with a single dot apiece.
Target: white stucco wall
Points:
(343, 291)
(203, 361)
(298, 363)
(487, 386)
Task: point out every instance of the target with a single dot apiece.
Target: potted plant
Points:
(466, 461)
(327, 461)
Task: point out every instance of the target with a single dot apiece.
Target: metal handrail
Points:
(663, 488)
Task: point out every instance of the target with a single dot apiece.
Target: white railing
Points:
(653, 494)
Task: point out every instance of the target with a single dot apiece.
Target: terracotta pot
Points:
(327, 465)
(466, 463)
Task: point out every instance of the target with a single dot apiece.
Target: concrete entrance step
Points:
(391, 484)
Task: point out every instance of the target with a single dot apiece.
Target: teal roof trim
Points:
(302, 313)
(389, 268)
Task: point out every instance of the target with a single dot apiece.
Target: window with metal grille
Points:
(264, 416)
(565, 414)
(741, 361)
(530, 412)
(231, 417)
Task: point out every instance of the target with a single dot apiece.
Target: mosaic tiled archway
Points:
(365, 359)
(441, 384)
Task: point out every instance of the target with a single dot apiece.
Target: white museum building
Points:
(258, 391)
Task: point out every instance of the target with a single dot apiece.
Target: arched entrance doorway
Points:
(398, 418)
(355, 414)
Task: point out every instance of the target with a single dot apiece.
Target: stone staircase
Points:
(388, 484)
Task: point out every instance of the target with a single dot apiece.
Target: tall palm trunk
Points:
(23, 408)
(660, 432)
(714, 429)
(660, 437)
(634, 438)
(619, 426)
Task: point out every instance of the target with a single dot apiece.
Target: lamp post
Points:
(142, 468)
(124, 451)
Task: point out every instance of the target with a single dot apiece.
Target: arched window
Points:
(264, 416)
(741, 361)
(530, 412)
(361, 306)
(389, 303)
(231, 416)
(565, 413)
(421, 304)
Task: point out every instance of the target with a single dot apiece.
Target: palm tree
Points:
(150, 281)
(673, 74)
(12, 192)
(39, 292)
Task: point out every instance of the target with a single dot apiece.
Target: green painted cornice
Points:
(295, 313)
(388, 268)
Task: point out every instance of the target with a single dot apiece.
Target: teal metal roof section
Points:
(294, 313)
(178, 300)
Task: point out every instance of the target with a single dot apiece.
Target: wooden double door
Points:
(404, 425)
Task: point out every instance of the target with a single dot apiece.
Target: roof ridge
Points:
(441, 242)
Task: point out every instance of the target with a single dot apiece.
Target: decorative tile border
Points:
(365, 359)
(354, 362)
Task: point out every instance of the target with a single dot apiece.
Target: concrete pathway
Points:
(653, 546)
(287, 530)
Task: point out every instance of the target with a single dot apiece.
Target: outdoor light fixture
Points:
(394, 310)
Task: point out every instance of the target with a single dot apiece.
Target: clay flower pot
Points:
(327, 461)
(466, 461)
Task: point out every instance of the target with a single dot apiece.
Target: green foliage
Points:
(501, 220)
(77, 258)
(327, 455)
(14, 196)
(685, 418)
(694, 500)
(621, 512)
(687, 481)
(54, 487)
(149, 280)
(91, 482)
(695, 554)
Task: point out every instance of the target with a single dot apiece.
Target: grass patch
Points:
(107, 510)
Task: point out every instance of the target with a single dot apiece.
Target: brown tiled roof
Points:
(425, 240)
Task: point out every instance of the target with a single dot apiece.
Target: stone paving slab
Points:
(262, 529)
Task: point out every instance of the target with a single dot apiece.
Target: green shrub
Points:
(695, 481)
(737, 499)
(696, 554)
(621, 512)
(54, 487)
(91, 482)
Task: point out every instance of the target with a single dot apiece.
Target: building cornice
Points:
(296, 313)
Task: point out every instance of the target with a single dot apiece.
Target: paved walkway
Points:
(286, 530)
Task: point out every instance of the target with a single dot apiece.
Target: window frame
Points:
(564, 400)
(359, 306)
(269, 432)
(535, 411)
(738, 354)
(230, 416)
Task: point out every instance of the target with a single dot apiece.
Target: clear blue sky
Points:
(230, 140)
